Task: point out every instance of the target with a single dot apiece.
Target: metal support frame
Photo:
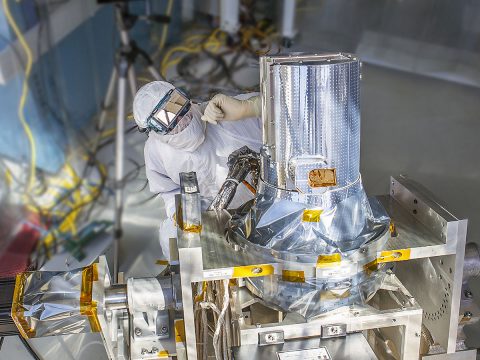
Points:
(434, 280)
(428, 237)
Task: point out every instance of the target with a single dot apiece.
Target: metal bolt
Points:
(394, 320)
(467, 314)
(138, 332)
(417, 334)
(468, 294)
(164, 330)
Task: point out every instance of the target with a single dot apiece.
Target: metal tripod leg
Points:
(156, 75)
(107, 102)
(151, 69)
(119, 162)
(132, 79)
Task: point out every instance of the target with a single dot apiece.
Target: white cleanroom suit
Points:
(200, 146)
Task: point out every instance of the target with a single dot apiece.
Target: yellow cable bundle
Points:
(23, 97)
(192, 44)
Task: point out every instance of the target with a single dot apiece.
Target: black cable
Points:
(29, 348)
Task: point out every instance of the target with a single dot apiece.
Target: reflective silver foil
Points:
(48, 303)
(311, 118)
(311, 123)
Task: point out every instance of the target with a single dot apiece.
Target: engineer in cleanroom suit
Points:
(184, 136)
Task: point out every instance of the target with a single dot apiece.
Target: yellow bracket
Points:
(394, 255)
(388, 256)
(253, 271)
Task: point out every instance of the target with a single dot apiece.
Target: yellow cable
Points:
(23, 98)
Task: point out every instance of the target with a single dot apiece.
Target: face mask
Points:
(168, 112)
(189, 133)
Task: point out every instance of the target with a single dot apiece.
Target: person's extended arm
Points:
(223, 107)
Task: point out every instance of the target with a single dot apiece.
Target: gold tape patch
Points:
(87, 306)
(293, 276)
(322, 178)
(163, 354)
(17, 311)
(161, 262)
(179, 331)
(328, 260)
(95, 272)
(191, 228)
(311, 215)
(252, 270)
(393, 229)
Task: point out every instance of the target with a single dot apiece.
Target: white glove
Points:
(223, 107)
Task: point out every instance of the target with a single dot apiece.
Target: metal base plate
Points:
(338, 349)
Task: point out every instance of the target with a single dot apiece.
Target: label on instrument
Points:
(218, 273)
(322, 178)
(310, 354)
(339, 272)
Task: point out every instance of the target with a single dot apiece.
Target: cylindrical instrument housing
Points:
(311, 120)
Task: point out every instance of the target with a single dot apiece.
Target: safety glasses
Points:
(168, 112)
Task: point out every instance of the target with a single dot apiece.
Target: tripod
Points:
(123, 72)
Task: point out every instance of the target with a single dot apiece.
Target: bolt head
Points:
(138, 332)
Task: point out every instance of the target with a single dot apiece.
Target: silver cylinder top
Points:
(311, 121)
